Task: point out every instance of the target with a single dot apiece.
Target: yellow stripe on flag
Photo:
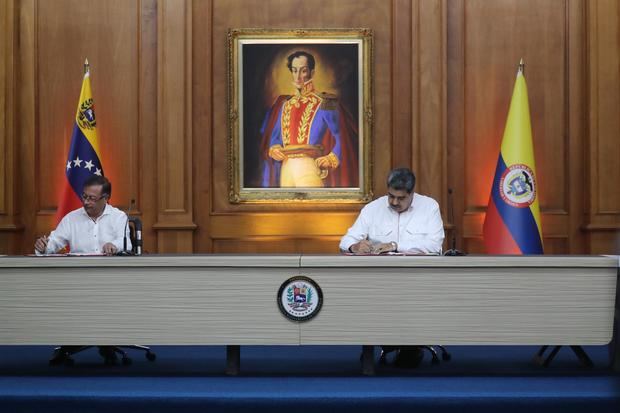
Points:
(517, 145)
(85, 115)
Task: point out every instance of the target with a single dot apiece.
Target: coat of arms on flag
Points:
(512, 222)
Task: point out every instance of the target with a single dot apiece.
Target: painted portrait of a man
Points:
(301, 116)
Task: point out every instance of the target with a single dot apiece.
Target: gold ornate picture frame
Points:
(300, 115)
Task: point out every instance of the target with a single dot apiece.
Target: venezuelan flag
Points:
(84, 158)
(512, 222)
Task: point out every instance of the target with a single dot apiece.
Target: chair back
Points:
(135, 235)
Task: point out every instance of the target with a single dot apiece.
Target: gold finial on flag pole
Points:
(521, 67)
(86, 66)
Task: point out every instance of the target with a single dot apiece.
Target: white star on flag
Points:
(68, 164)
(89, 165)
(77, 162)
(98, 171)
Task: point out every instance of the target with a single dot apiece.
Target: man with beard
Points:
(401, 221)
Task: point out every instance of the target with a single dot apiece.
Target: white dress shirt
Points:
(84, 235)
(418, 230)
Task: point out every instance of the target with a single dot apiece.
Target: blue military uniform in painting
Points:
(308, 127)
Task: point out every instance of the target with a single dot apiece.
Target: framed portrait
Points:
(300, 115)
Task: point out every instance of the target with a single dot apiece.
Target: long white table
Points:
(368, 300)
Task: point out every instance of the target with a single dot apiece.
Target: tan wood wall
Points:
(443, 76)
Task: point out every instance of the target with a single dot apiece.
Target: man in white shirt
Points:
(401, 221)
(96, 228)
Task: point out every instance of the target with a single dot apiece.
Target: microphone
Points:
(138, 228)
(452, 252)
(124, 251)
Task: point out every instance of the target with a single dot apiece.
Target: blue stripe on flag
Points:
(519, 221)
(84, 161)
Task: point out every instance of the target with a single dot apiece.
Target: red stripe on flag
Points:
(497, 238)
(68, 202)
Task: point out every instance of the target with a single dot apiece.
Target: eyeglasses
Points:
(91, 198)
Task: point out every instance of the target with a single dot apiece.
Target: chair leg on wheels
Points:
(124, 357)
(109, 355)
(385, 350)
(551, 356)
(368, 360)
(445, 356)
(62, 355)
(435, 357)
(538, 359)
(582, 356)
(150, 356)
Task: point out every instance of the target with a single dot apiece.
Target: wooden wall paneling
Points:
(443, 77)
(285, 245)
(107, 33)
(27, 121)
(10, 226)
(147, 138)
(431, 139)
(54, 39)
(404, 69)
(576, 125)
(175, 224)
(46, 102)
(603, 205)
(495, 39)
(6, 83)
(455, 89)
(380, 16)
(202, 109)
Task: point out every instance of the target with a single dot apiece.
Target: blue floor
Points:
(305, 379)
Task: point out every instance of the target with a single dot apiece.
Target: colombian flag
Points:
(512, 222)
(84, 157)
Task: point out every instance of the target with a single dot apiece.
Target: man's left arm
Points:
(332, 119)
(428, 241)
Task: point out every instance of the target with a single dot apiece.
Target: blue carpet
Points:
(306, 379)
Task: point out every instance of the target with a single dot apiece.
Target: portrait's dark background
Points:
(265, 76)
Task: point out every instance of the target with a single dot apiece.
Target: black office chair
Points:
(445, 356)
(62, 354)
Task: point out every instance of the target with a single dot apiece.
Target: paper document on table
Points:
(396, 253)
(70, 254)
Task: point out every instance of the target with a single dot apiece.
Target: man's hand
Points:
(384, 247)
(323, 162)
(362, 247)
(41, 244)
(276, 153)
(109, 249)
(329, 161)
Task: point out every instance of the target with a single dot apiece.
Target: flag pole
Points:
(86, 66)
(521, 68)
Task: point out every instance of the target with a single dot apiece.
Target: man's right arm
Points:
(358, 233)
(57, 240)
(275, 141)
